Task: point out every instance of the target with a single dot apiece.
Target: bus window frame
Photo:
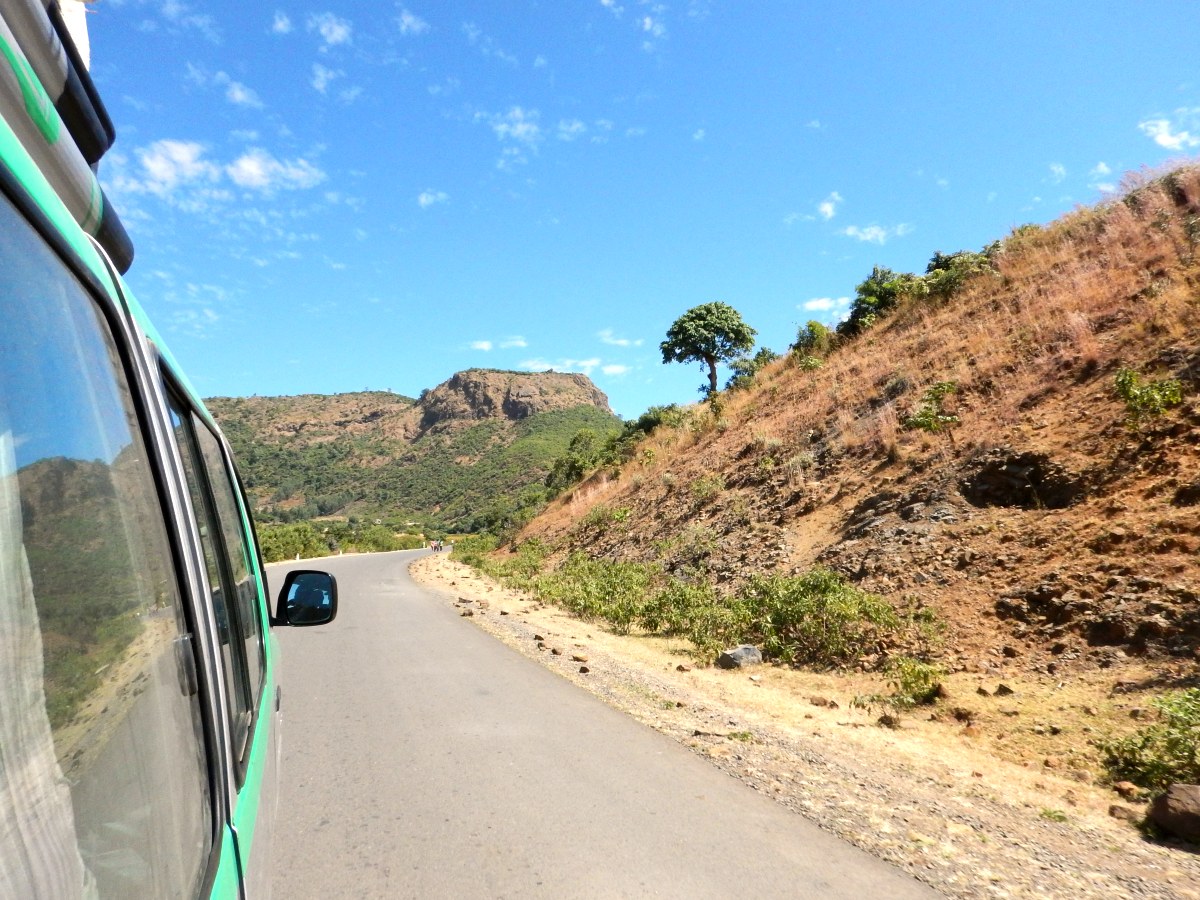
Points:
(132, 349)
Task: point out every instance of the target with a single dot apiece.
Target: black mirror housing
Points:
(308, 597)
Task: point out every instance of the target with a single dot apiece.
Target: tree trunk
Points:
(712, 376)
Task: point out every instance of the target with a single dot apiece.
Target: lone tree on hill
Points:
(708, 334)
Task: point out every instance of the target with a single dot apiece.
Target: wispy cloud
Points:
(827, 208)
(699, 134)
(429, 198)
(570, 129)
(824, 304)
(519, 130)
(1176, 132)
(260, 171)
(235, 92)
(332, 30)
(1058, 173)
(485, 346)
(486, 45)
(586, 366)
(322, 77)
(607, 336)
(876, 234)
(179, 16)
(615, 370)
(282, 24)
(515, 342)
(411, 24)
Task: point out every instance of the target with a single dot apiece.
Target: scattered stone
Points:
(504, 612)
(1083, 776)
(555, 651)
(1003, 690)
(887, 720)
(756, 678)
(1125, 814)
(971, 731)
(578, 657)
(683, 668)
(538, 637)
(1010, 652)
(1128, 790)
(1052, 762)
(740, 657)
(1137, 713)
(818, 701)
(1177, 812)
(982, 691)
(467, 612)
(963, 715)
(583, 670)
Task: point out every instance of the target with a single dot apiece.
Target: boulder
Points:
(1177, 812)
(740, 657)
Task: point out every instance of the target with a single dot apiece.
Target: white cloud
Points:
(824, 304)
(514, 342)
(1172, 134)
(481, 345)
(519, 125)
(282, 24)
(431, 197)
(570, 129)
(333, 31)
(828, 207)
(698, 134)
(615, 370)
(486, 45)
(615, 8)
(814, 124)
(586, 366)
(168, 165)
(411, 24)
(607, 336)
(1100, 170)
(322, 76)
(876, 234)
(259, 170)
(240, 95)
(1058, 173)
(540, 62)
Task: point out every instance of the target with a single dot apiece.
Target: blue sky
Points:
(337, 196)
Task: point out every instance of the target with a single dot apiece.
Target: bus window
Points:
(104, 769)
(221, 580)
(237, 552)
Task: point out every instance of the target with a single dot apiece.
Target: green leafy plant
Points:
(1162, 753)
(707, 486)
(913, 682)
(1146, 399)
(931, 416)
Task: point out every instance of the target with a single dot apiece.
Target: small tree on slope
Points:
(708, 334)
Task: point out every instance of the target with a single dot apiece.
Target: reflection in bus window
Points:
(104, 785)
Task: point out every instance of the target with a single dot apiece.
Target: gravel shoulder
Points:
(955, 806)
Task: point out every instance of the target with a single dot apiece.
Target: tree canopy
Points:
(708, 334)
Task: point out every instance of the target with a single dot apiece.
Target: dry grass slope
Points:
(1045, 530)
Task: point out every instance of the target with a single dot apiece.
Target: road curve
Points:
(423, 758)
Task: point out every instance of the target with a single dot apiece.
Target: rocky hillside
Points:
(478, 438)
(1045, 522)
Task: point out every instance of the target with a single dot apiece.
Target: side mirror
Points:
(307, 598)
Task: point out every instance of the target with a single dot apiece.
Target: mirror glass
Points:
(310, 599)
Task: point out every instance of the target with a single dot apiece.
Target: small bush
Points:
(707, 486)
(1147, 399)
(817, 618)
(931, 416)
(1164, 753)
(913, 682)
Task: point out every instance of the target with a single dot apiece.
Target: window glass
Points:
(237, 552)
(220, 579)
(104, 774)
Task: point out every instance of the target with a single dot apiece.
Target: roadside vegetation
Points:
(816, 619)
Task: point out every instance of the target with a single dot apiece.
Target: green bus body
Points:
(140, 704)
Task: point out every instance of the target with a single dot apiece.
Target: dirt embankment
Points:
(991, 793)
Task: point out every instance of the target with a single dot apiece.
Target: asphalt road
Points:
(423, 758)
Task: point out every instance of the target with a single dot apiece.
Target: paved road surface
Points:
(423, 758)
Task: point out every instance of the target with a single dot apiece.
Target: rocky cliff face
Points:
(487, 393)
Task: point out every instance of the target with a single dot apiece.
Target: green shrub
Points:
(1147, 399)
(613, 592)
(1164, 753)
(707, 486)
(817, 618)
(913, 682)
(473, 550)
(930, 416)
